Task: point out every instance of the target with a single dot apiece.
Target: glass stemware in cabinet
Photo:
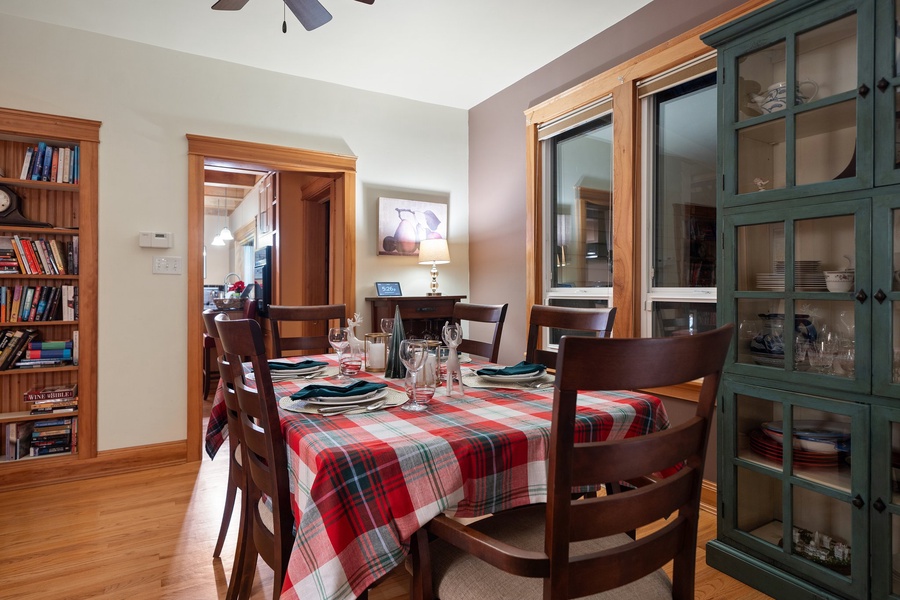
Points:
(339, 338)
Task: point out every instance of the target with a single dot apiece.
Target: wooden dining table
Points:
(364, 482)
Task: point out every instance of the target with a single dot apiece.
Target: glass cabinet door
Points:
(796, 482)
(886, 297)
(885, 502)
(796, 303)
(796, 107)
(887, 94)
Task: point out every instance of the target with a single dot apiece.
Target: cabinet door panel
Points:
(798, 476)
(886, 502)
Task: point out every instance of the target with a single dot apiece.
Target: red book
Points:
(33, 263)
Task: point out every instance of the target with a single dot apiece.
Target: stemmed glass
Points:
(387, 325)
(452, 336)
(339, 338)
(412, 355)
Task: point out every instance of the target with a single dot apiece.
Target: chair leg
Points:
(230, 494)
(241, 553)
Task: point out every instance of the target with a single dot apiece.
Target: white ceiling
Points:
(450, 52)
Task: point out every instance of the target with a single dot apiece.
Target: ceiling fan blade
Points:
(310, 13)
(229, 5)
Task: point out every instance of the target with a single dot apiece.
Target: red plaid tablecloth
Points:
(363, 484)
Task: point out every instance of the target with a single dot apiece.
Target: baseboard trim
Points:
(709, 497)
(46, 471)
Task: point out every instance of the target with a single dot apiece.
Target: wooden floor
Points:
(150, 535)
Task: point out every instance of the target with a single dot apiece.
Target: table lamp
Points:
(435, 252)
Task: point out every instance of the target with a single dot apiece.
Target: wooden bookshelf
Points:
(71, 209)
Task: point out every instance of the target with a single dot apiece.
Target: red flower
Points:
(237, 286)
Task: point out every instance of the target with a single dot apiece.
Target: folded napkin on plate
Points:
(286, 366)
(523, 368)
(337, 391)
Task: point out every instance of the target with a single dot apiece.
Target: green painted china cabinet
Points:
(809, 219)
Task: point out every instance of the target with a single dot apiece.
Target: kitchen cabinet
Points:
(808, 424)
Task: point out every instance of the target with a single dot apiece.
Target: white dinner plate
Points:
(282, 375)
(512, 378)
(325, 401)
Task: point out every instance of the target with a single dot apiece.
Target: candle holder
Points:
(376, 351)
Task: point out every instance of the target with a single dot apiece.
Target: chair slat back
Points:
(227, 374)
(481, 313)
(678, 452)
(304, 327)
(262, 436)
(599, 321)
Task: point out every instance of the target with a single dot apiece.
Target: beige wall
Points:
(147, 99)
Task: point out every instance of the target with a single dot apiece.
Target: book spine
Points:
(26, 166)
(38, 161)
(51, 450)
(55, 248)
(35, 300)
(67, 163)
(76, 168)
(43, 257)
(52, 312)
(51, 345)
(64, 354)
(44, 397)
(19, 249)
(75, 347)
(48, 163)
(9, 350)
(31, 257)
(42, 303)
(25, 309)
(54, 165)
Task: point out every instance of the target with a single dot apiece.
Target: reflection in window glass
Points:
(684, 203)
(556, 334)
(581, 207)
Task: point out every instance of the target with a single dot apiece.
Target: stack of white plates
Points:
(773, 282)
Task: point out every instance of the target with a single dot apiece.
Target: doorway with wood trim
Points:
(325, 182)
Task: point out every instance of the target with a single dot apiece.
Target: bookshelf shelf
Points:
(71, 209)
(40, 185)
(24, 415)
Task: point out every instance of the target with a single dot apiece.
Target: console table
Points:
(421, 314)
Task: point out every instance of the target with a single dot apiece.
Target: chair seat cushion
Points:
(458, 575)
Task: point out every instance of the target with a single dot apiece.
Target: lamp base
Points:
(432, 293)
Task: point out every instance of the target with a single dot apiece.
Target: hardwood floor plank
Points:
(150, 535)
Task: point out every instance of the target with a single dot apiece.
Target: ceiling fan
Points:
(310, 13)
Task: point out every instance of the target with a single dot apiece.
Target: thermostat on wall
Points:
(156, 239)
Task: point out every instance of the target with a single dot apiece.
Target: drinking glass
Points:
(412, 355)
(339, 338)
(350, 362)
(845, 360)
(821, 356)
(801, 351)
(387, 325)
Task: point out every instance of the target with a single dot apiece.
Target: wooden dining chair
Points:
(481, 313)
(236, 475)
(596, 320)
(210, 349)
(267, 529)
(308, 326)
(578, 546)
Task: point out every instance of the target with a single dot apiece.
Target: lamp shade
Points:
(434, 251)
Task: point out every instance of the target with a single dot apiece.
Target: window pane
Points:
(682, 318)
(581, 207)
(684, 202)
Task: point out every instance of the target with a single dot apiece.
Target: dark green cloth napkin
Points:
(337, 391)
(306, 364)
(523, 368)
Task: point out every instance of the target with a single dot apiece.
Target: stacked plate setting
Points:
(815, 443)
(808, 277)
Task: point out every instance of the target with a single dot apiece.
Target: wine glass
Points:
(387, 325)
(412, 355)
(339, 338)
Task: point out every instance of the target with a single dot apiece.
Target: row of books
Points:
(54, 435)
(29, 303)
(51, 163)
(15, 353)
(38, 257)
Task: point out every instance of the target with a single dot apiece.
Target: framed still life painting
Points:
(402, 224)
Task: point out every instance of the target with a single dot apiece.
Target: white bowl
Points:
(839, 281)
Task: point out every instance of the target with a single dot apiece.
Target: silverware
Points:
(330, 411)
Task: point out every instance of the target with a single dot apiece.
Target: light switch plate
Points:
(167, 265)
